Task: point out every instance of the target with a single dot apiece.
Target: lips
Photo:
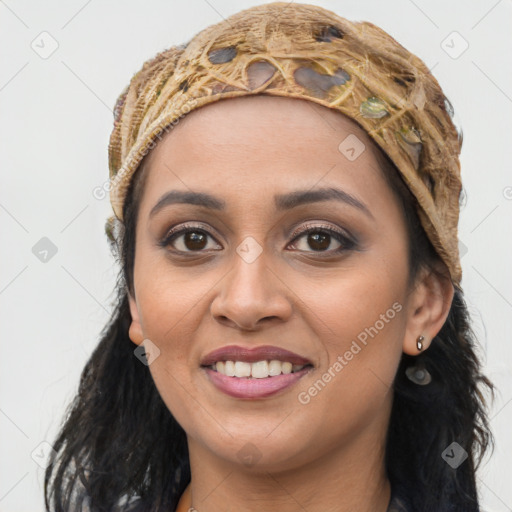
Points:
(252, 355)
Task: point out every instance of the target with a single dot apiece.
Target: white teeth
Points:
(286, 367)
(229, 368)
(274, 368)
(257, 370)
(242, 369)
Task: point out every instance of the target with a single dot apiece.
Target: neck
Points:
(352, 477)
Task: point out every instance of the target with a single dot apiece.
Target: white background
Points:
(55, 122)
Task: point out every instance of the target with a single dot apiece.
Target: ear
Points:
(135, 331)
(428, 308)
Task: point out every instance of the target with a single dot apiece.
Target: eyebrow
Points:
(282, 201)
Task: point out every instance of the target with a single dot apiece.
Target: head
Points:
(355, 278)
(313, 294)
(383, 272)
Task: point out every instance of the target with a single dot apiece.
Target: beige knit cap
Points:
(304, 51)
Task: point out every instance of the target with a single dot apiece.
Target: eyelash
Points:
(347, 243)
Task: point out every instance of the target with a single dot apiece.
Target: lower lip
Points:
(241, 387)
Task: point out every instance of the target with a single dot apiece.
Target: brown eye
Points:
(320, 241)
(320, 238)
(188, 238)
(194, 240)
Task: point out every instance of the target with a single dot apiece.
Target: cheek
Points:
(166, 317)
(360, 320)
(166, 308)
(169, 304)
(166, 296)
(347, 304)
(361, 329)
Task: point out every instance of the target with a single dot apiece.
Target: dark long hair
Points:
(120, 448)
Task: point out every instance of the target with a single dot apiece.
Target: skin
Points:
(327, 454)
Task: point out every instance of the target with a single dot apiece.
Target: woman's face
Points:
(247, 273)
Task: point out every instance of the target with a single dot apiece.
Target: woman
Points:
(291, 332)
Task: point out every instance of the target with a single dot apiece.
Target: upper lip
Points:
(251, 355)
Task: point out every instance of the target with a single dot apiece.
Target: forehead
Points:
(245, 145)
(250, 119)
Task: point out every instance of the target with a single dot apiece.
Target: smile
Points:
(257, 370)
(251, 387)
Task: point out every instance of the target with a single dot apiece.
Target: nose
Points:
(251, 294)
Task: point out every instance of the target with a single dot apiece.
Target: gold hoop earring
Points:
(419, 343)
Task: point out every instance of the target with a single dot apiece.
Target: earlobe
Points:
(429, 306)
(135, 330)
